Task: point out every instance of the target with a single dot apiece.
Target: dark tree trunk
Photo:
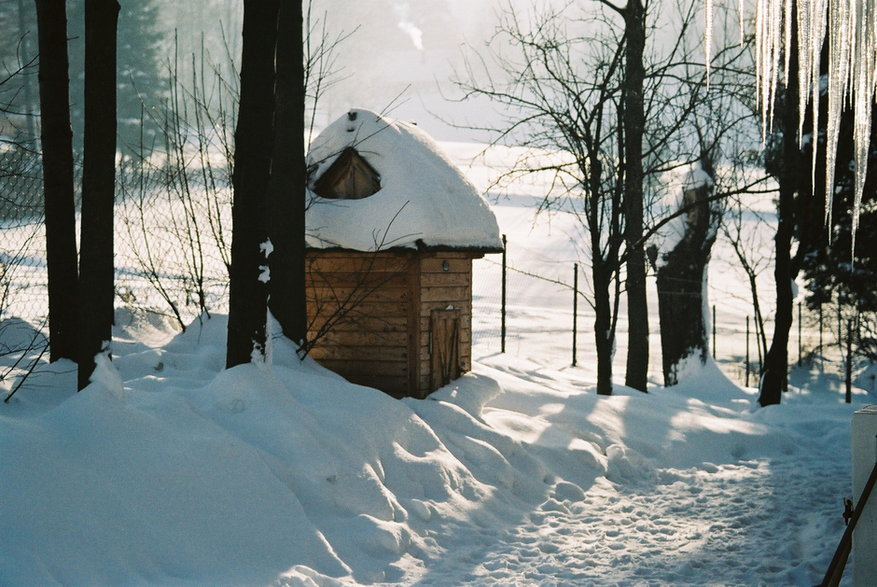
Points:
(776, 362)
(57, 147)
(681, 280)
(286, 189)
(248, 289)
(96, 270)
(774, 376)
(634, 123)
(604, 337)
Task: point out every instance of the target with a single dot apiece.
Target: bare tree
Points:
(96, 269)
(57, 148)
(254, 136)
(553, 106)
(746, 251)
(633, 124)
(288, 183)
(723, 130)
(800, 218)
(682, 271)
(184, 251)
(566, 91)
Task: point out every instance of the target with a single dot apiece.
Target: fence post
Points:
(747, 351)
(849, 365)
(575, 310)
(864, 449)
(714, 332)
(821, 350)
(759, 332)
(800, 346)
(502, 331)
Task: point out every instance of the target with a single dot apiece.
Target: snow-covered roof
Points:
(424, 200)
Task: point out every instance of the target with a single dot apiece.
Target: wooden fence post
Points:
(714, 332)
(747, 351)
(849, 365)
(800, 345)
(575, 310)
(502, 311)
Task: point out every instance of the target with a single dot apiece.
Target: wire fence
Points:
(171, 247)
(515, 309)
(172, 256)
(22, 246)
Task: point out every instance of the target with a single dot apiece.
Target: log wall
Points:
(369, 314)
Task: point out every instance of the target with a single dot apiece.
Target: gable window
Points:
(350, 177)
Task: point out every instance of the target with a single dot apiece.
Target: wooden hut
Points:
(393, 227)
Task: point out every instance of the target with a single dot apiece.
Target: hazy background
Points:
(396, 56)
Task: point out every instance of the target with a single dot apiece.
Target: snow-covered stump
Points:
(865, 535)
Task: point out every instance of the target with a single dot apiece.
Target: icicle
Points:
(740, 12)
(839, 55)
(812, 46)
(769, 39)
(804, 61)
(787, 39)
(864, 80)
(851, 26)
(708, 38)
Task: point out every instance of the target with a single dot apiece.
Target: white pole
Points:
(865, 535)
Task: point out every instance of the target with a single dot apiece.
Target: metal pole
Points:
(800, 346)
(821, 350)
(747, 351)
(759, 332)
(714, 332)
(575, 310)
(502, 326)
(849, 365)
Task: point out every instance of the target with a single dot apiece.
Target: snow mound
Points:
(172, 470)
(424, 199)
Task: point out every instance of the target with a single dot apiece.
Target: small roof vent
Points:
(350, 177)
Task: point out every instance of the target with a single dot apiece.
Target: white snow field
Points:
(170, 470)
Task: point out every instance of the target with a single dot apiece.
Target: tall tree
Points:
(286, 188)
(57, 148)
(799, 219)
(254, 136)
(681, 274)
(633, 126)
(564, 87)
(96, 270)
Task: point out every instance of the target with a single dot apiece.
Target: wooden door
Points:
(444, 336)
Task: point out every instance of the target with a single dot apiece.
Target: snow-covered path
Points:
(767, 511)
(729, 524)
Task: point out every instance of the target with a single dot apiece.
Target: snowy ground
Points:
(171, 470)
